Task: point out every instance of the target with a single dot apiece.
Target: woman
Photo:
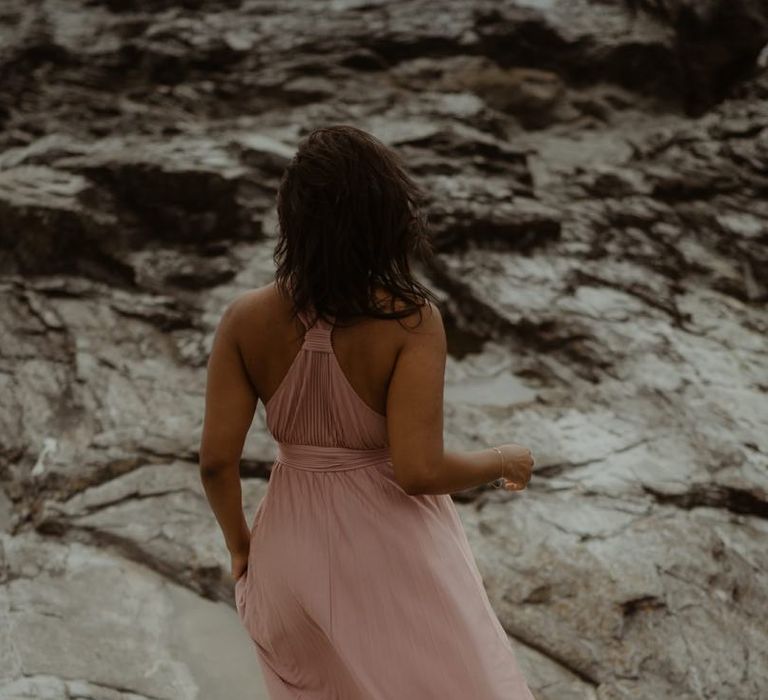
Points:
(355, 580)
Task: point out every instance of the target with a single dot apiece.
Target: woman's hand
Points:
(518, 466)
(239, 564)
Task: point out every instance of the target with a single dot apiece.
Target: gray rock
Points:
(81, 622)
(596, 174)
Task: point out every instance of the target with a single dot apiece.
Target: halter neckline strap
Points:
(318, 324)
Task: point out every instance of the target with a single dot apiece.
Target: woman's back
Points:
(315, 403)
(366, 351)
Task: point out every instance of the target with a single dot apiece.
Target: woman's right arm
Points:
(415, 423)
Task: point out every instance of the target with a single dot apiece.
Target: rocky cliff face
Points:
(598, 174)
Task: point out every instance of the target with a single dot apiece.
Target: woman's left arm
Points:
(230, 403)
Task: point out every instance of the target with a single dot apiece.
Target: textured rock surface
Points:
(598, 176)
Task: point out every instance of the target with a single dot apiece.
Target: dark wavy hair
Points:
(350, 220)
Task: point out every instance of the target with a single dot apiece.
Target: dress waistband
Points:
(329, 459)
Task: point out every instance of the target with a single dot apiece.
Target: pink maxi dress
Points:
(356, 590)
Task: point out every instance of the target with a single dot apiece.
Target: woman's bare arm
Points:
(415, 419)
(230, 404)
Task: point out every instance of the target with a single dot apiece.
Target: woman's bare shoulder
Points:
(250, 307)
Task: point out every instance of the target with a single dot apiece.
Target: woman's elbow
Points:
(211, 468)
(415, 482)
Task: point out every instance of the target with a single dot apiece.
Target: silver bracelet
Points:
(498, 483)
